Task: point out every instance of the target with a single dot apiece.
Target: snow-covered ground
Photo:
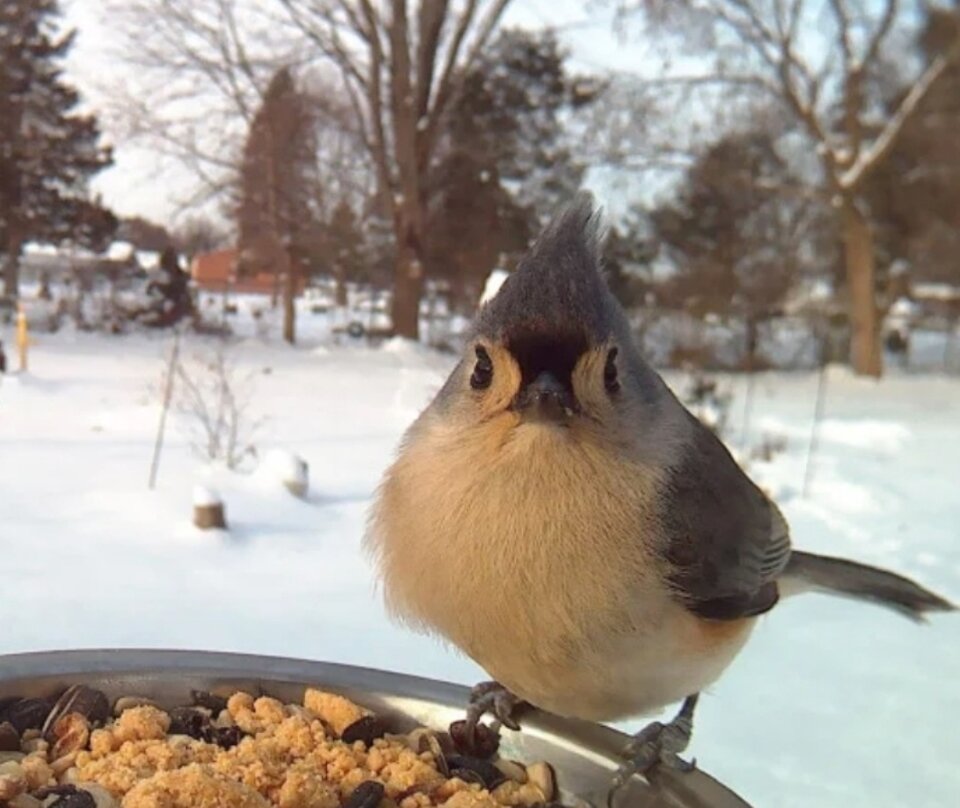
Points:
(831, 704)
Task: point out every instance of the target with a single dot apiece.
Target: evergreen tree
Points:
(627, 256)
(737, 238)
(344, 249)
(276, 190)
(169, 292)
(474, 225)
(505, 162)
(143, 234)
(48, 152)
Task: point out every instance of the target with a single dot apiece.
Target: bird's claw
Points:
(494, 699)
(657, 744)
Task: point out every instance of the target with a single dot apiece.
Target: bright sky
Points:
(142, 183)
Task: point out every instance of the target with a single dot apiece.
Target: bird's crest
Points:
(557, 290)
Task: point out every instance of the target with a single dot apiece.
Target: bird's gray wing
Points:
(725, 541)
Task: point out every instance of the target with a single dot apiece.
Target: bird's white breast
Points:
(547, 574)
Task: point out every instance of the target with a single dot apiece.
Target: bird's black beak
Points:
(546, 399)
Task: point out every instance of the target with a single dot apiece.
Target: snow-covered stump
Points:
(208, 512)
(288, 469)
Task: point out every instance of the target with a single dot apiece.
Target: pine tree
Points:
(276, 190)
(169, 293)
(505, 164)
(345, 250)
(628, 253)
(737, 237)
(48, 152)
(143, 234)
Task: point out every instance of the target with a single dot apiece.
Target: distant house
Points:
(43, 264)
(214, 271)
(937, 299)
(217, 272)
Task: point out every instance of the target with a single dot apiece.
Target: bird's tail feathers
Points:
(838, 576)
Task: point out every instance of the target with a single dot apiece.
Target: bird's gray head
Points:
(553, 347)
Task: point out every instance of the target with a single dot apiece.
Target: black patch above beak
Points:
(546, 399)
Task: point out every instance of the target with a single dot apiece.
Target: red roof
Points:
(217, 272)
(214, 270)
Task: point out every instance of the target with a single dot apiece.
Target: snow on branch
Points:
(874, 155)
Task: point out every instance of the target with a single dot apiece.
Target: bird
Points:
(557, 514)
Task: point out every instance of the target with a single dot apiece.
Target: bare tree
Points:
(200, 69)
(402, 67)
(199, 234)
(205, 69)
(822, 60)
(213, 400)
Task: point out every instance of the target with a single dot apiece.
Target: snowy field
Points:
(831, 704)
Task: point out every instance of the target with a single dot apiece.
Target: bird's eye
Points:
(482, 371)
(610, 380)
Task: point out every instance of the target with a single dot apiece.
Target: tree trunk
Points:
(341, 288)
(753, 339)
(406, 298)
(408, 273)
(277, 286)
(11, 265)
(865, 350)
(289, 300)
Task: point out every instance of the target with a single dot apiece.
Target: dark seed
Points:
(215, 704)
(27, 714)
(366, 729)
(90, 703)
(48, 791)
(69, 796)
(9, 738)
(486, 741)
(224, 737)
(189, 721)
(6, 701)
(366, 795)
(82, 799)
(468, 776)
(489, 775)
(96, 706)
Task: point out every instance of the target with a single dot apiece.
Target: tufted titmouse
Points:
(559, 515)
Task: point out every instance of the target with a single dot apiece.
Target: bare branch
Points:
(201, 68)
(451, 81)
(356, 21)
(883, 30)
(432, 15)
(453, 51)
(376, 106)
(326, 35)
(843, 32)
(213, 403)
(853, 177)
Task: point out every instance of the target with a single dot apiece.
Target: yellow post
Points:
(23, 337)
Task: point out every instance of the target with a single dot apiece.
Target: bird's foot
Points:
(495, 699)
(655, 745)
(487, 698)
